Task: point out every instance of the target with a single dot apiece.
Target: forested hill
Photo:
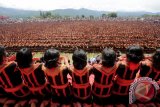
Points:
(11, 12)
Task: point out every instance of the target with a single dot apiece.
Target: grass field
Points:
(69, 55)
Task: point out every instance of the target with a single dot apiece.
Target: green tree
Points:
(83, 16)
(91, 17)
(45, 14)
(104, 15)
(112, 14)
(41, 14)
(48, 14)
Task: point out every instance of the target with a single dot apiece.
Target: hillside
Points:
(11, 12)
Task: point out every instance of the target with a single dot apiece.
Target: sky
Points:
(105, 5)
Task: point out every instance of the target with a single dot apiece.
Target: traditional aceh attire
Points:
(103, 83)
(34, 78)
(80, 84)
(124, 78)
(147, 70)
(11, 81)
(60, 87)
(12, 85)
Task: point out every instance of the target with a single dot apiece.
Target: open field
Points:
(89, 55)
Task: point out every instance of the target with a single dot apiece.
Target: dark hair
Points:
(79, 59)
(51, 57)
(156, 59)
(134, 54)
(98, 59)
(24, 58)
(2, 53)
(108, 57)
(118, 53)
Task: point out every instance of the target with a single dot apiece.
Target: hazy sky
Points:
(107, 5)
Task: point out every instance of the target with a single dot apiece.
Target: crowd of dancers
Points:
(91, 35)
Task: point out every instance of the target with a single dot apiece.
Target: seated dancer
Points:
(126, 73)
(11, 81)
(33, 75)
(104, 74)
(56, 74)
(80, 79)
(151, 68)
